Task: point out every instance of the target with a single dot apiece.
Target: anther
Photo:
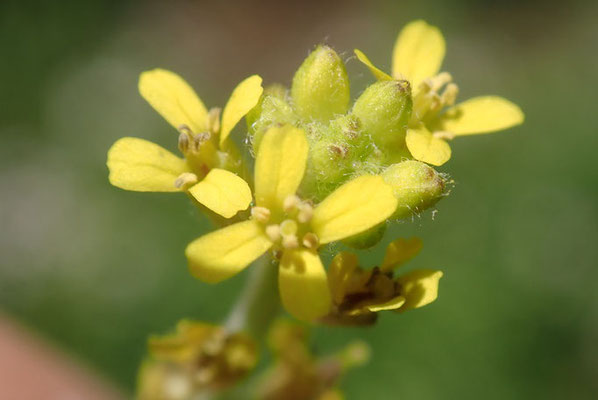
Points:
(440, 80)
(306, 212)
(288, 227)
(260, 214)
(444, 135)
(311, 241)
(185, 179)
(339, 151)
(183, 142)
(184, 128)
(273, 232)
(290, 242)
(200, 138)
(214, 120)
(449, 96)
(291, 203)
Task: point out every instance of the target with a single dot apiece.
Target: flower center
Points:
(291, 229)
(200, 150)
(434, 94)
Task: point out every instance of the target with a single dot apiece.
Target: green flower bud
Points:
(367, 239)
(416, 185)
(272, 109)
(320, 87)
(384, 110)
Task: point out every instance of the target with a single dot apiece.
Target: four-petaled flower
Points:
(357, 294)
(417, 57)
(205, 172)
(293, 228)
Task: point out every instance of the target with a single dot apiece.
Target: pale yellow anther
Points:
(185, 179)
(183, 142)
(261, 214)
(449, 96)
(200, 138)
(291, 203)
(183, 128)
(214, 120)
(306, 212)
(440, 80)
(310, 240)
(273, 232)
(290, 242)
(444, 135)
(288, 227)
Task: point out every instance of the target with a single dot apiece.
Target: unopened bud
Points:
(320, 87)
(367, 239)
(416, 185)
(384, 110)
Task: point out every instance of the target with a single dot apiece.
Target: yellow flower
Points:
(196, 357)
(291, 227)
(298, 374)
(205, 172)
(358, 294)
(417, 57)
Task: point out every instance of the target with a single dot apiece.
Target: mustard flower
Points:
(298, 374)
(357, 294)
(195, 358)
(205, 172)
(291, 227)
(417, 56)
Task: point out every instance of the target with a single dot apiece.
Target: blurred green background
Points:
(96, 269)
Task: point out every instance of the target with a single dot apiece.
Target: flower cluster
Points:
(325, 171)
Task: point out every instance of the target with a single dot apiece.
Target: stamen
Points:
(184, 128)
(382, 286)
(288, 227)
(440, 80)
(214, 120)
(200, 138)
(184, 142)
(261, 214)
(444, 135)
(185, 179)
(290, 242)
(306, 212)
(273, 232)
(449, 96)
(291, 203)
(310, 240)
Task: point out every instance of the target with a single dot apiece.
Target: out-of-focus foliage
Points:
(96, 268)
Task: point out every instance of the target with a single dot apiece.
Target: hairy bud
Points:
(320, 87)
(384, 110)
(416, 185)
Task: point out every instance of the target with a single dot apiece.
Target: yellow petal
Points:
(400, 251)
(223, 253)
(303, 286)
(222, 192)
(173, 99)
(419, 287)
(340, 273)
(418, 52)
(378, 73)
(479, 115)
(391, 304)
(244, 98)
(423, 146)
(279, 165)
(353, 208)
(142, 166)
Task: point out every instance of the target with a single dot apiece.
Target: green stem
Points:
(258, 303)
